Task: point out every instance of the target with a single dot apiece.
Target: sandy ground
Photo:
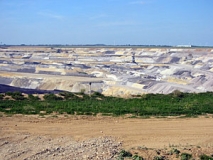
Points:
(47, 76)
(131, 133)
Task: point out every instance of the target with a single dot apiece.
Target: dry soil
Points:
(36, 137)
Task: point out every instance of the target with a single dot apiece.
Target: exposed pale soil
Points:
(83, 137)
(111, 71)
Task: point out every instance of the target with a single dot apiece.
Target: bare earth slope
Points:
(28, 137)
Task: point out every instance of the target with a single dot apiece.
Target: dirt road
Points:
(130, 133)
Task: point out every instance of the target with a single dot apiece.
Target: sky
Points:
(111, 22)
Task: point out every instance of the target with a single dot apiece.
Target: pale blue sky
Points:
(158, 22)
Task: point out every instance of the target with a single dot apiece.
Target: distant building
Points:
(184, 46)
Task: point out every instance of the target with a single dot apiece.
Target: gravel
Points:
(30, 147)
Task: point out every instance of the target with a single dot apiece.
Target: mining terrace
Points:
(110, 71)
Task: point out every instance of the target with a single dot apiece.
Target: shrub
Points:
(33, 98)
(1, 96)
(89, 113)
(136, 157)
(9, 93)
(16, 95)
(174, 151)
(159, 158)
(124, 153)
(186, 156)
(205, 157)
(28, 109)
(67, 95)
(177, 93)
(97, 94)
(52, 97)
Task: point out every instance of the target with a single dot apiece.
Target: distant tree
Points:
(177, 93)
(67, 95)
(33, 98)
(1, 96)
(16, 95)
(97, 94)
(52, 97)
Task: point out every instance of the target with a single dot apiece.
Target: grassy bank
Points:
(174, 104)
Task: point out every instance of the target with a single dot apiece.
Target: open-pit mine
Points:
(111, 71)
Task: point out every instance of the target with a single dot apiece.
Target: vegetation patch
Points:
(146, 106)
(186, 156)
(205, 157)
